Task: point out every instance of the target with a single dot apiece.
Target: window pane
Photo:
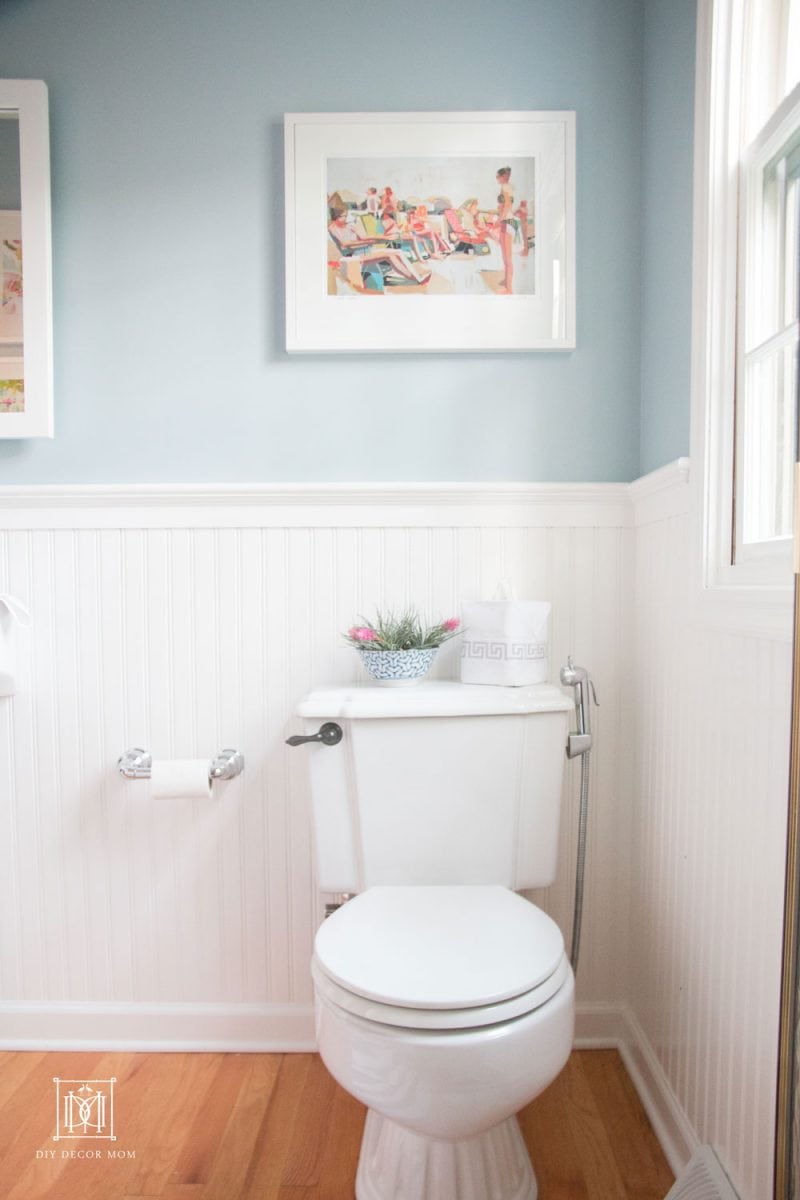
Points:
(768, 443)
(792, 255)
(791, 41)
(772, 290)
(766, 296)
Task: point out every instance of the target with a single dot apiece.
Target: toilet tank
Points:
(439, 783)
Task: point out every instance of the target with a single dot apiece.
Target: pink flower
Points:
(362, 633)
(451, 623)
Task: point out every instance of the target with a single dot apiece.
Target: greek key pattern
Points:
(504, 651)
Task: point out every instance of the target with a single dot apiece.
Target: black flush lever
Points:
(330, 734)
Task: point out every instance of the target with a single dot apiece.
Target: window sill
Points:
(752, 611)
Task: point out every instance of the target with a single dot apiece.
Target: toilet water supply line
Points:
(579, 744)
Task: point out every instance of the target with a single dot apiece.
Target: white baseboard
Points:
(239, 1028)
(615, 1024)
(599, 1026)
(268, 1028)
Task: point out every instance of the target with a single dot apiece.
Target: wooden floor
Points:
(277, 1127)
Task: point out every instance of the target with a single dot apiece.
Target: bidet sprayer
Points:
(578, 678)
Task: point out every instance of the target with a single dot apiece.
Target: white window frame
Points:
(745, 596)
(764, 561)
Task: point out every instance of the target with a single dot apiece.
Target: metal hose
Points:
(583, 814)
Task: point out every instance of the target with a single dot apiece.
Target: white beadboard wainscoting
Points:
(707, 851)
(186, 619)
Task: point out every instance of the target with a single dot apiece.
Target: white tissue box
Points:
(505, 642)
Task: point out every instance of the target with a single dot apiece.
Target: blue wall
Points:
(166, 126)
(667, 147)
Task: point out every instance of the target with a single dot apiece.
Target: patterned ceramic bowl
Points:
(397, 668)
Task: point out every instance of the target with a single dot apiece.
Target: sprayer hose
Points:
(580, 864)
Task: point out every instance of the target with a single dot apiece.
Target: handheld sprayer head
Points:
(572, 676)
(578, 678)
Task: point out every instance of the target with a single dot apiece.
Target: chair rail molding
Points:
(221, 505)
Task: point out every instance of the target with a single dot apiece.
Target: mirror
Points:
(26, 375)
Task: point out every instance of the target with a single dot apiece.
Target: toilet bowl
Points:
(443, 1009)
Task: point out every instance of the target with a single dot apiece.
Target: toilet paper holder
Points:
(136, 764)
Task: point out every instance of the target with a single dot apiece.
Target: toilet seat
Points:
(441, 1019)
(442, 957)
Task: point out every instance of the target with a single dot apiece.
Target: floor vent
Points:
(703, 1179)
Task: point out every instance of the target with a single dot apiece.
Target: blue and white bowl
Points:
(397, 668)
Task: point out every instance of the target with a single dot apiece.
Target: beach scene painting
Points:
(12, 386)
(431, 226)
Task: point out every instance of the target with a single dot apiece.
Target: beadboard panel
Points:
(186, 637)
(708, 843)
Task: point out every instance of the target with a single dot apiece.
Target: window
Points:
(766, 384)
(746, 291)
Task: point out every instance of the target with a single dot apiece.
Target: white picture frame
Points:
(329, 307)
(25, 100)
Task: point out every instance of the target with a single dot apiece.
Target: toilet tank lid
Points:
(432, 698)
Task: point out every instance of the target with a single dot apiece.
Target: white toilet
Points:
(444, 1001)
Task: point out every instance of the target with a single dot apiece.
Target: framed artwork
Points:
(10, 277)
(430, 232)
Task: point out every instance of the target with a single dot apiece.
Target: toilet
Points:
(444, 1000)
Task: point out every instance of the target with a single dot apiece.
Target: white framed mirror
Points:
(26, 339)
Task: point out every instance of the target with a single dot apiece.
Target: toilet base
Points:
(397, 1164)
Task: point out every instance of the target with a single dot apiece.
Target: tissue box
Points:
(505, 642)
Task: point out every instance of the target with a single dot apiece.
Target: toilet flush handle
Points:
(330, 734)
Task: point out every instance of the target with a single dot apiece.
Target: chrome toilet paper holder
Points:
(137, 764)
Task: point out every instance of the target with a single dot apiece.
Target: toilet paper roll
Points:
(185, 778)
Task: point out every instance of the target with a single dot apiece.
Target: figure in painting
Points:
(421, 227)
(373, 202)
(504, 229)
(521, 214)
(467, 228)
(390, 266)
(388, 207)
(405, 238)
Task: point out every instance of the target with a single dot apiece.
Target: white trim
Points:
(236, 1028)
(599, 1025)
(713, 295)
(670, 1123)
(256, 1028)
(615, 1025)
(662, 494)
(324, 505)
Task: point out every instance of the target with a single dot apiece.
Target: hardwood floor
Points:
(277, 1127)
